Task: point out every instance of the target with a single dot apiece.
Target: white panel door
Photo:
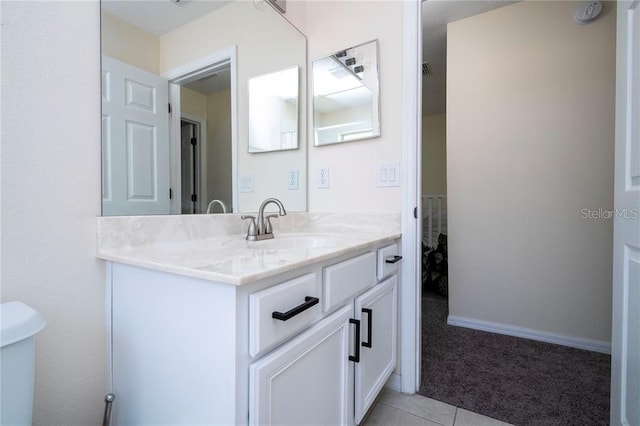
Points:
(135, 138)
(306, 381)
(377, 312)
(625, 344)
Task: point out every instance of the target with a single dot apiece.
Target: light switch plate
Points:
(246, 183)
(388, 174)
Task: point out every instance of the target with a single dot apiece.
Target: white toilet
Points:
(19, 324)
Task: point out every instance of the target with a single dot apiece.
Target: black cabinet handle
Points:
(356, 357)
(394, 259)
(369, 313)
(308, 302)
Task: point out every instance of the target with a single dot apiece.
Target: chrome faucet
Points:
(214, 202)
(263, 230)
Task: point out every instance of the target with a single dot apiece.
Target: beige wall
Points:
(352, 166)
(216, 110)
(129, 44)
(193, 103)
(219, 148)
(434, 154)
(297, 14)
(50, 197)
(250, 29)
(530, 131)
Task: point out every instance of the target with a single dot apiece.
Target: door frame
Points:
(201, 150)
(410, 312)
(626, 225)
(410, 288)
(195, 70)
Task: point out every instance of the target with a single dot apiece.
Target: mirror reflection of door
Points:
(135, 159)
(206, 166)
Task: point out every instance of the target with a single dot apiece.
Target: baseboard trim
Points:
(527, 333)
(394, 383)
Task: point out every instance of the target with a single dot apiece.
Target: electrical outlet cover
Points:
(323, 177)
(293, 179)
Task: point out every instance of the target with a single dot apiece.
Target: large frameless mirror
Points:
(273, 111)
(346, 95)
(193, 156)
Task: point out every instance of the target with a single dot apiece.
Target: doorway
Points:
(497, 184)
(202, 128)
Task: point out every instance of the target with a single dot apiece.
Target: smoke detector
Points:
(180, 2)
(587, 11)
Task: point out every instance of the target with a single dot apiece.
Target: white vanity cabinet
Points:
(331, 374)
(314, 345)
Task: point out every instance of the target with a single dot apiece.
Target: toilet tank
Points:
(19, 324)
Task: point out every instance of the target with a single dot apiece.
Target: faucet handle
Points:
(253, 229)
(268, 228)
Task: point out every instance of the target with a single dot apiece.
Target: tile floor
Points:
(393, 408)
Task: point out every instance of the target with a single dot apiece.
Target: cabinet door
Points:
(377, 312)
(305, 381)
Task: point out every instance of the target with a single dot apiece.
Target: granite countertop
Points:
(213, 247)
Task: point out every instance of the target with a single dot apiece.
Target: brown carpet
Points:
(519, 381)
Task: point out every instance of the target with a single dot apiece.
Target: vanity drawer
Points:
(346, 279)
(281, 311)
(388, 260)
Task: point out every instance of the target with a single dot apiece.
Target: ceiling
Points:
(167, 14)
(436, 14)
(219, 80)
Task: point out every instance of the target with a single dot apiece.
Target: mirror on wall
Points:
(176, 107)
(273, 111)
(346, 101)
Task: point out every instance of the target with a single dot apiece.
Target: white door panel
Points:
(625, 344)
(377, 312)
(135, 118)
(306, 381)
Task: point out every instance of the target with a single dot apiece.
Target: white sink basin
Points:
(298, 241)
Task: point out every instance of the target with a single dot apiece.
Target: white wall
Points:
(337, 25)
(530, 135)
(51, 196)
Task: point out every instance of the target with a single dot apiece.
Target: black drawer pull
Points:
(394, 259)
(308, 302)
(369, 313)
(356, 357)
